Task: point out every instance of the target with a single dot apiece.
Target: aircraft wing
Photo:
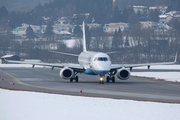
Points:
(76, 67)
(119, 66)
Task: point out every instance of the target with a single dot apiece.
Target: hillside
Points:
(18, 5)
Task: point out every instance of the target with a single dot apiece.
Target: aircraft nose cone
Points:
(103, 68)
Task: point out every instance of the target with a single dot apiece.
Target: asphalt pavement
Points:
(48, 81)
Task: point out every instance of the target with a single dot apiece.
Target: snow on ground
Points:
(17, 105)
(160, 67)
(72, 42)
(168, 76)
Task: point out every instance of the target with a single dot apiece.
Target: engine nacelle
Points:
(123, 74)
(66, 73)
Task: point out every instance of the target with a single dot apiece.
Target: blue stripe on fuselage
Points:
(89, 71)
(101, 71)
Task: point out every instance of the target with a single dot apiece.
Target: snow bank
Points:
(16, 105)
(160, 67)
(168, 76)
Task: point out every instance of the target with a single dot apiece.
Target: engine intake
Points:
(123, 74)
(66, 73)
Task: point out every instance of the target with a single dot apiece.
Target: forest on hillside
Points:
(100, 10)
(26, 5)
(21, 5)
(148, 45)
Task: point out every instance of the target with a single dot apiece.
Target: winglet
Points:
(175, 60)
(84, 38)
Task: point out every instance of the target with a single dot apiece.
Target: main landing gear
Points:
(76, 78)
(111, 77)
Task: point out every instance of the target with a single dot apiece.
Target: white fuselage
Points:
(95, 63)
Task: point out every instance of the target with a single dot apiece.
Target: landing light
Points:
(101, 78)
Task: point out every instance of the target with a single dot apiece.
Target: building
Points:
(112, 27)
(161, 9)
(10, 57)
(147, 24)
(63, 34)
(93, 25)
(141, 9)
(20, 32)
(167, 17)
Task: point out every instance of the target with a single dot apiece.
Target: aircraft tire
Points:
(76, 79)
(107, 79)
(113, 79)
(71, 79)
(102, 82)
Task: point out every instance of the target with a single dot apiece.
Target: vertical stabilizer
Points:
(84, 38)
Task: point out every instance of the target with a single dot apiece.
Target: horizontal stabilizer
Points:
(111, 52)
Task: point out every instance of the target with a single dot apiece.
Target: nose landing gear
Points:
(101, 80)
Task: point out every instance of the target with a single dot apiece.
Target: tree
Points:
(173, 5)
(30, 33)
(14, 20)
(154, 16)
(133, 19)
(49, 31)
(117, 40)
(124, 16)
(175, 24)
(126, 42)
(77, 30)
(3, 12)
(116, 15)
(4, 43)
(97, 39)
(3, 17)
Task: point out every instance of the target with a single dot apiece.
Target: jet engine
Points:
(123, 74)
(66, 73)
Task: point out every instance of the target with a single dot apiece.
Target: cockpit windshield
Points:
(101, 59)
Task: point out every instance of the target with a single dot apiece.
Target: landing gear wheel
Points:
(76, 79)
(101, 82)
(107, 79)
(71, 79)
(113, 79)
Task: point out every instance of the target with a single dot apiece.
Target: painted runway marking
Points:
(30, 85)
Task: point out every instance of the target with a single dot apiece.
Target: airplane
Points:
(94, 63)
